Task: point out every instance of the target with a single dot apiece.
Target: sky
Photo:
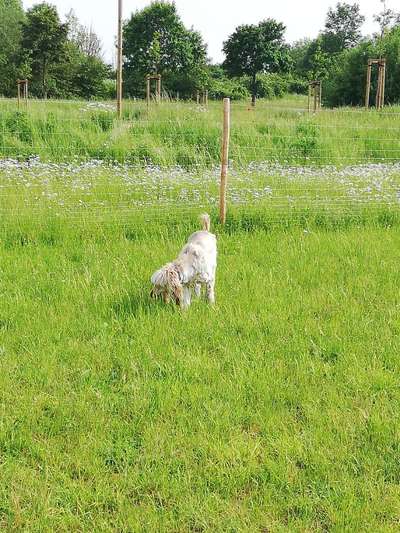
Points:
(216, 19)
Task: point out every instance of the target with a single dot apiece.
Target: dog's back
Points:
(202, 245)
(204, 238)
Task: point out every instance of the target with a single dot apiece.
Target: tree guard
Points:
(157, 79)
(314, 96)
(380, 91)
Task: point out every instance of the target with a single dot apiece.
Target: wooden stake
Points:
(315, 98)
(224, 159)
(159, 89)
(320, 96)
(309, 98)
(378, 89)
(148, 91)
(383, 83)
(119, 61)
(368, 86)
(19, 93)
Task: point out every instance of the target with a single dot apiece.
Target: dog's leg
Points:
(210, 291)
(197, 290)
(187, 297)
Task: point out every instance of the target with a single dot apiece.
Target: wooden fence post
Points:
(224, 159)
(320, 96)
(148, 91)
(315, 98)
(119, 62)
(158, 97)
(383, 82)
(368, 86)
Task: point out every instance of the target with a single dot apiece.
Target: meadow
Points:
(276, 410)
(186, 135)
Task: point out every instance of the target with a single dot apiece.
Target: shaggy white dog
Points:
(194, 267)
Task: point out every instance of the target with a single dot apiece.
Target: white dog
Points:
(194, 267)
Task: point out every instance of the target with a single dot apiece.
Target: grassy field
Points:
(278, 410)
(188, 135)
(275, 411)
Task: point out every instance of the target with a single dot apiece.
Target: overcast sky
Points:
(216, 19)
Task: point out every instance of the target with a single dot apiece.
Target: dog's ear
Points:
(160, 278)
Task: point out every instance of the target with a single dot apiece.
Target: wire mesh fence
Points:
(76, 160)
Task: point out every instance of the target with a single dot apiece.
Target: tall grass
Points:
(187, 135)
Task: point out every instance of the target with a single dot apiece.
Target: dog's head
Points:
(167, 284)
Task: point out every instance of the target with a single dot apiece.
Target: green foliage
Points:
(320, 61)
(157, 42)
(342, 27)
(346, 83)
(18, 124)
(80, 75)
(275, 85)
(252, 49)
(11, 17)
(233, 88)
(43, 42)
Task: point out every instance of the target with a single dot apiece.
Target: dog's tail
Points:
(205, 221)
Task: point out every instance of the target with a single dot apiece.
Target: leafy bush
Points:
(19, 125)
(277, 85)
(346, 82)
(229, 88)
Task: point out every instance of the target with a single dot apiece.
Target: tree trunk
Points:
(254, 90)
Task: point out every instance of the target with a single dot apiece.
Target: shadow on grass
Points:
(138, 303)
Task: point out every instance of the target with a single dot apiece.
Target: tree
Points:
(157, 42)
(342, 28)
(387, 20)
(78, 75)
(254, 49)
(319, 61)
(84, 38)
(43, 40)
(346, 84)
(299, 53)
(10, 36)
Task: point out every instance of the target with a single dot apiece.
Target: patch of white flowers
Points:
(98, 185)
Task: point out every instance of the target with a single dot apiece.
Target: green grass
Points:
(184, 134)
(277, 410)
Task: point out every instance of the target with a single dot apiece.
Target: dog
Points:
(194, 268)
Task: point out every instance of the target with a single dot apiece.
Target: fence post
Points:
(383, 83)
(368, 85)
(148, 91)
(224, 159)
(119, 62)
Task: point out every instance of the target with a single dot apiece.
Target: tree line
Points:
(64, 59)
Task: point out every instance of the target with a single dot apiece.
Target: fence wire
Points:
(77, 162)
